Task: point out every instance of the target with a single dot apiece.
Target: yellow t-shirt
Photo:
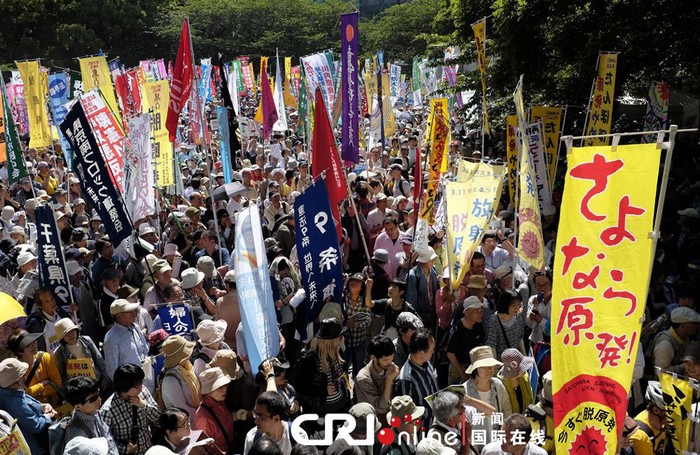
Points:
(642, 443)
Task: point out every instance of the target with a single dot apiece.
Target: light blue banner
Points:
(59, 85)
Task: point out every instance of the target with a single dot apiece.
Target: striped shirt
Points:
(418, 382)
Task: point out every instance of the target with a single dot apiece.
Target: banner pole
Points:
(556, 158)
(357, 219)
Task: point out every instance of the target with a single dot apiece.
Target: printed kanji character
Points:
(599, 170)
(329, 258)
(616, 234)
(576, 317)
(609, 349)
(571, 251)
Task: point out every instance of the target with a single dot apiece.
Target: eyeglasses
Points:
(187, 225)
(186, 424)
(92, 399)
(257, 416)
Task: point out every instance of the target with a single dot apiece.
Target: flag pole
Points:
(357, 219)
(556, 158)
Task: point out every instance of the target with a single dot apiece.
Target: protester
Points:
(78, 354)
(178, 385)
(124, 343)
(212, 416)
(43, 380)
(83, 393)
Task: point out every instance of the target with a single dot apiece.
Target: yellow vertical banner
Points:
(289, 99)
(438, 139)
(156, 99)
(512, 154)
(530, 240)
(389, 119)
(678, 401)
(601, 272)
(479, 29)
(470, 203)
(288, 69)
(95, 73)
(3, 146)
(600, 114)
(551, 121)
(35, 94)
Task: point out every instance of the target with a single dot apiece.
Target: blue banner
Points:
(319, 256)
(59, 92)
(254, 289)
(50, 261)
(177, 319)
(94, 177)
(224, 143)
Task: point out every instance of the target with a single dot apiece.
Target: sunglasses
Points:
(92, 399)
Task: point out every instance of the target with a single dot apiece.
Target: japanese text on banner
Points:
(156, 96)
(678, 399)
(35, 94)
(95, 73)
(512, 154)
(600, 116)
(551, 121)
(438, 140)
(604, 223)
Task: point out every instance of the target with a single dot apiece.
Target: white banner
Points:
(535, 143)
(278, 96)
(139, 196)
(318, 73)
(375, 124)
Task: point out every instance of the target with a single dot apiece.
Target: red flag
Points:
(181, 85)
(325, 157)
(269, 111)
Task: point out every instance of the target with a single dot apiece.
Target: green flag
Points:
(15, 164)
(303, 103)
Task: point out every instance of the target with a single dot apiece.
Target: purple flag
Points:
(351, 107)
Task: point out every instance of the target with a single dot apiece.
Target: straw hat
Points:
(482, 356)
(63, 326)
(176, 349)
(402, 406)
(477, 282)
(211, 332)
(515, 363)
(11, 371)
(227, 360)
(213, 378)
(427, 255)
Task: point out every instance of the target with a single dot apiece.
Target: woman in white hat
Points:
(514, 375)
(179, 386)
(211, 339)
(193, 284)
(213, 417)
(484, 386)
(77, 355)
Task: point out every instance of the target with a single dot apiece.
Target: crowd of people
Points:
(103, 375)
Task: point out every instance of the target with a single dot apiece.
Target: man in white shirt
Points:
(375, 218)
(494, 254)
(268, 412)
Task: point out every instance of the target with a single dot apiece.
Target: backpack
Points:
(57, 434)
(159, 388)
(649, 352)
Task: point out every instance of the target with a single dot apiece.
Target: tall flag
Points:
(139, 197)
(440, 130)
(380, 95)
(278, 95)
(289, 91)
(657, 109)
(600, 115)
(678, 393)
(479, 29)
(15, 164)
(469, 204)
(254, 289)
(231, 120)
(51, 263)
(95, 73)
(601, 275)
(181, 84)
(319, 73)
(59, 85)
(267, 103)
(93, 175)
(155, 96)
(303, 102)
(35, 94)
(3, 135)
(530, 240)
(512, 155)
(551, 122)
(320, 260)
(535, 142)
(325, 158)
(349, 77)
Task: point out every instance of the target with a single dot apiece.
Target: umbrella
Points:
(12, 316)
(228, 190)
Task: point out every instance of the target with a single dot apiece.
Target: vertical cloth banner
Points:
(530, 239)
(325, 158)
(183, 76)
(512, 155)
(267, 101)
(17, 100)
(35, 93)
(108, 132)
(535, 143)
(231, 121)
(3, 147)
(254, 289)
(319, 74)
(59, 90)
(350, 119)
(470, 203)
(95, 73)
(317, 248)
(224, 145)
(678, 400)
(551, 121)
(600, 290)
(278, 95)
(479, 29)
(94, 176)
(440, 130)
(15, 163)
(156, 99)
(139, 197)
(657, 109)
(50, 261)
(246, 73)
(600, 115)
